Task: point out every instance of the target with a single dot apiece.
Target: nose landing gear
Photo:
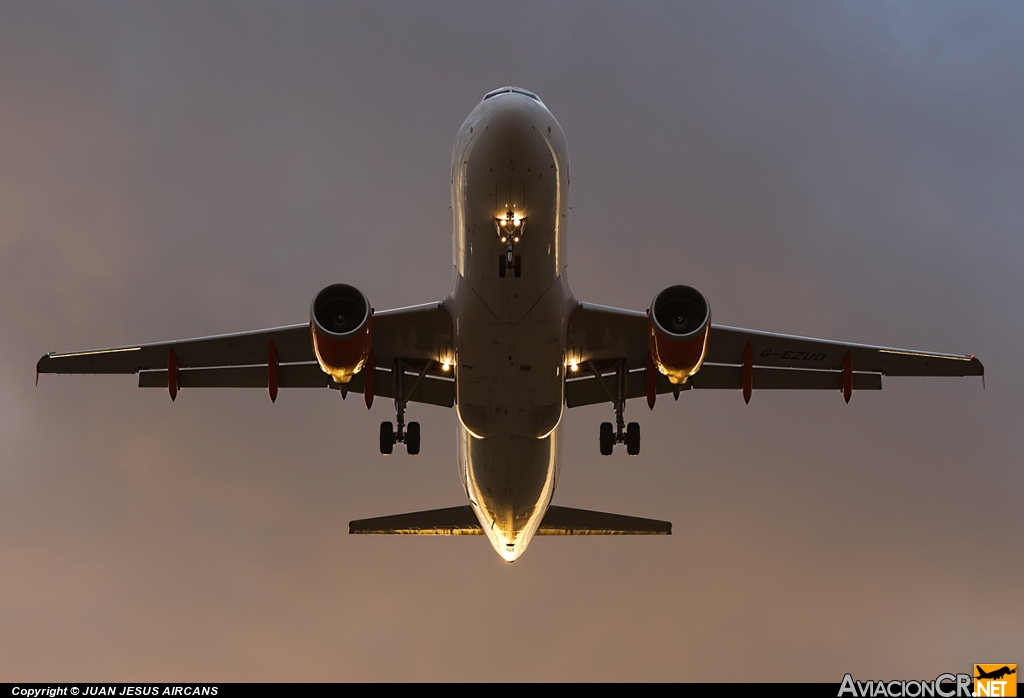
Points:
(506, 262)
(510, 230)
(620, 432)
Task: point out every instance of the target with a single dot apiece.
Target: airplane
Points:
(996, 674)
(510, 347)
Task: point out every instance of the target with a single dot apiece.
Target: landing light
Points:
(446, 365)
(573, 366)
(509, 225)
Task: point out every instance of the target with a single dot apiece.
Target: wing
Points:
(727, 344)
(601, 338)
(293, 345)
(413, 341)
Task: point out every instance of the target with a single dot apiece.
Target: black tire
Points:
(412, 438)
(607, 438)
(519, 266)
(501, 265)
(633, 439)
(387, 438)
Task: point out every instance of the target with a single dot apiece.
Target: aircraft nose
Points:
(514, 121)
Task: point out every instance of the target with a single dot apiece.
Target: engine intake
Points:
(339, 320)
(679, 319)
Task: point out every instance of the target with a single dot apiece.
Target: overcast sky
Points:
(851, 171)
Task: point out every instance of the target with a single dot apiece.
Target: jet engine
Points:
(339, 321)
(679, 320)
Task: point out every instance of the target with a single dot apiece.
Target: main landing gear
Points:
(409, 435)
(620, 433)
(404, 434)
(610, 436)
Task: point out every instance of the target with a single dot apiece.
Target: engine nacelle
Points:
(339, 321)
(679, 320)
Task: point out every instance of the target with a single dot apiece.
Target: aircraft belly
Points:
(510, 377)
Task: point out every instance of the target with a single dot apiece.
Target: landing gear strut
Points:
(507, 261)
(620, 433)
(510, 229)
(408, 435)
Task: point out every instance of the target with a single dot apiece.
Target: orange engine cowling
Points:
(679, 320)
(339, 320)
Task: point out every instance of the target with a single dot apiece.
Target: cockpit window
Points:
(503, 90)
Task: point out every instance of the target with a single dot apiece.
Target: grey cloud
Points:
(841, 171)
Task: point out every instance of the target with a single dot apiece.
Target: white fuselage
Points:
(510, 333)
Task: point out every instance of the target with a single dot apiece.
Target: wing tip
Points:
(976, 367)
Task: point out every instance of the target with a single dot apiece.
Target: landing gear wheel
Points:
(519, 266)
(501, 265)
(412, 438)
(607, 438)
(633, 439)
(387, 438)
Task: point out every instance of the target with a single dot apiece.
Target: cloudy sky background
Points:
(849, 171)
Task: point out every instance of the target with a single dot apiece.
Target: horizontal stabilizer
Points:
(559, 521)
(563, 521)
(453, 521)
